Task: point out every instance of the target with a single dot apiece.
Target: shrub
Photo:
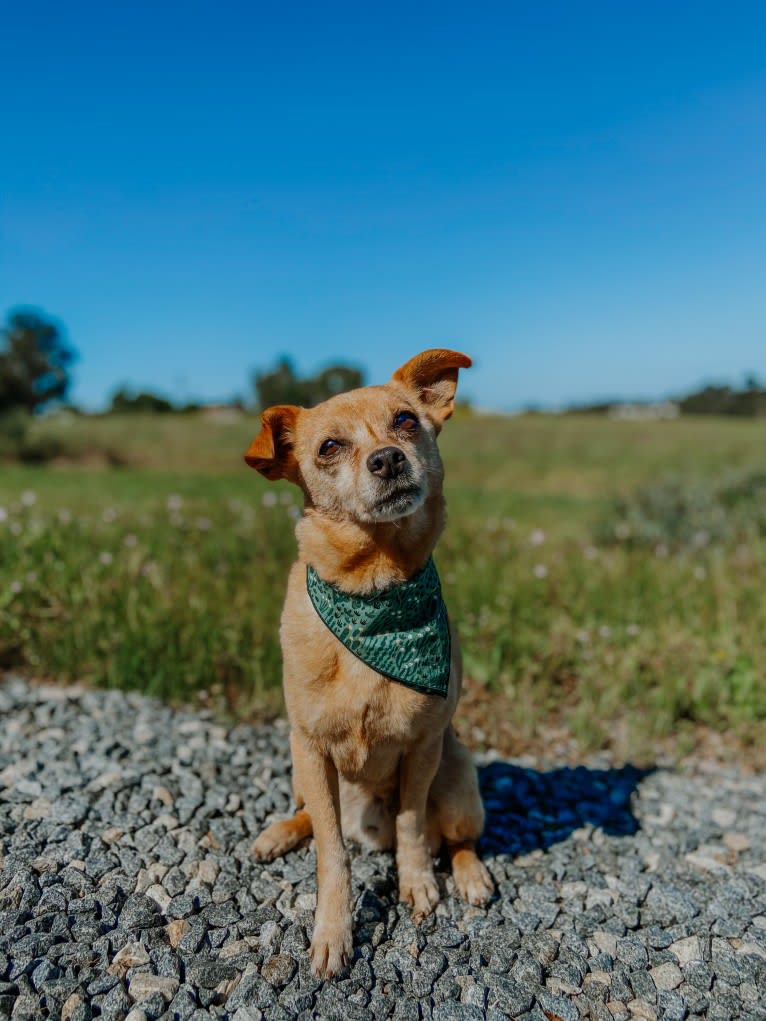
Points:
(681, 515)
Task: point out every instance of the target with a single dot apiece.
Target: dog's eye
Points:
(328, 448)
(406, 421)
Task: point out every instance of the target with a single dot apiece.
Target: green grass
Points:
(168, 575)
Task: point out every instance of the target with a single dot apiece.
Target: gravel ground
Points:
(127, 887)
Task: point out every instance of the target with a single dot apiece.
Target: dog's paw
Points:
(330, 950)
(266, 848)
(420, 892)
(283, 836)
(472, 880)
(277, 840)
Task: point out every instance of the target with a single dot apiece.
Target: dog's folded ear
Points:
(433, 376)
(271, 452)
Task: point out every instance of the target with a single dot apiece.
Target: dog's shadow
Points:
(527, 809)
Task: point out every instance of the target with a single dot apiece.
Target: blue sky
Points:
(573, 193)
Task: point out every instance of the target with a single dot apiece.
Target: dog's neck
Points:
(361, 557)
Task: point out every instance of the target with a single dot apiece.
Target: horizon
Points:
(248, 398)
(576, 197)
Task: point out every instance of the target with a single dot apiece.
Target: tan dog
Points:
(373, 759)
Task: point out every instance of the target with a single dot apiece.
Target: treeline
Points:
(747, 402)
(281, 385)
(35, 374)
(36, 361)
(750, 402)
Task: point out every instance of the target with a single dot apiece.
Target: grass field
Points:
(604, 575)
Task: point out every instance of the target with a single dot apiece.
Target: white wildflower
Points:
(540, 571)
(269, 499)
(105, 557)
(28, 498)
(537, 538)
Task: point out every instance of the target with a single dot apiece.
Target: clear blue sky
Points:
(573, 193)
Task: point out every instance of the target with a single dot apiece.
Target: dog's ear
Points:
(272, 451)
(433, 376)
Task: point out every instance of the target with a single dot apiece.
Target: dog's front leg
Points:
(417, 885)
(331, 943)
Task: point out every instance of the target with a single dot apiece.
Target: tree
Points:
(34, 362)
(337, 379)
(282, 385)
(123, 400)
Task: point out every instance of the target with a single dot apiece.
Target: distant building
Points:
(222, 414)
(645, 412)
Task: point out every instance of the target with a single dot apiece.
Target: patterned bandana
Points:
(401, 632)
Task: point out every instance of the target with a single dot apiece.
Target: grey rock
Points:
(601, 962)
(210, 973)
(139, 912)
(699, 974)
(183, 1004)
(527, 971)
(643, 986)
(252, 991)
(621, 988)
(278, 971)
(559, 1006)
(166, 801)
(115, 1004)
(632, 952)
(406, 1009)
(448, 936)
(44, 973)
(671, 1006)
(457, 1012)
(445, 988)
(509, 995)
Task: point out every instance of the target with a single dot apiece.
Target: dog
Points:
(372, 669)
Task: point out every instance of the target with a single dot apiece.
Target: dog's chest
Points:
(360, 719)
(365, 722)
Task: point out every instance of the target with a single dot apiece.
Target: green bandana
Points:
(401, 632)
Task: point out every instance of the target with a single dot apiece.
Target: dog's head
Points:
(369, 454)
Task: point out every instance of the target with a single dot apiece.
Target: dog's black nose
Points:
(387, 463)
